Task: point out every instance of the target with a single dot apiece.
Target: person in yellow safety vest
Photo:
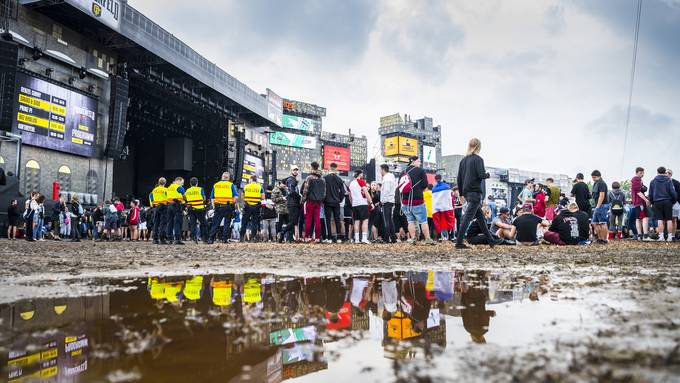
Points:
(223, 197)
(175, 209)
(195, 197)
(253, 195)
(427, 198)
(158, 201)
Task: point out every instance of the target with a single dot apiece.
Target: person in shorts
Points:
(663, 196)
(600, 221)
(360, 199)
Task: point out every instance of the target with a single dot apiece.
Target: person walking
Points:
(662, 195)
(335, 194)
(389, 188)
(223, 198)
(313, 194)
(471, 173)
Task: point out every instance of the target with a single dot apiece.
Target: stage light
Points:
(71, 80)
(37, 54)
(82, 73)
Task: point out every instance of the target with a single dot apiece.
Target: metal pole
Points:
(17, 166)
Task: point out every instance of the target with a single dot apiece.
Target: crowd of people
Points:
(399, 208)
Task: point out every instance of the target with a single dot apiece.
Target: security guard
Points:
(253, 195)
(196, 201)
(175, 209)
(158, 200)
(223, 197)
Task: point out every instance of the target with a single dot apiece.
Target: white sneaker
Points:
(327, 241)
(365, 241)
(661, 239)
(647, 239)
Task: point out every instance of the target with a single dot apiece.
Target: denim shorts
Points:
(416, 213)
(601, 214)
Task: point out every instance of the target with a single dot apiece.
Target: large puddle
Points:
(264, 328)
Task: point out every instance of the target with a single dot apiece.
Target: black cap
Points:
(504, 210)
(412, 158)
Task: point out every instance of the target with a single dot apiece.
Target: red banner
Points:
(338, 155)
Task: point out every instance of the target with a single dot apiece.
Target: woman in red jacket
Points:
(133, 220)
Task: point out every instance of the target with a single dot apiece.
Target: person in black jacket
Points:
(313, 194)
(676, 205)
(293, 204)
(471, 173)
(335, 193)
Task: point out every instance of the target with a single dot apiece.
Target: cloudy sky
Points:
(544, 85)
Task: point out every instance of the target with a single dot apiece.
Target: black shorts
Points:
(293, 213)
(360, 213)
(663, 210)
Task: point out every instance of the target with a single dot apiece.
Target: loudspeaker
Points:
(178, 153)
(9, 55)
(115, 142)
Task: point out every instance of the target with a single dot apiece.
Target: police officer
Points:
(223, 198)
(196, 201)
(253, 194)
(159, 200)
(175, 194)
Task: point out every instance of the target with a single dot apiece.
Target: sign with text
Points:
(274, 107)
(252, 166)
(54, 117)
(299, 123)
(408, 146)
(294, 140)
(338, 155)
(107, 12)
(304, 108)
(391, 146)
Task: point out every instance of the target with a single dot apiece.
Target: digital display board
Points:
(408, 146)
(338, 155)
(252, 166)
(304, 108)
(299, 123)
(429, 156)
(294, 140)
(391, 146)
(53, 117)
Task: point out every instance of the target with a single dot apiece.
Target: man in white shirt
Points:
(359, 198)
(389, 188)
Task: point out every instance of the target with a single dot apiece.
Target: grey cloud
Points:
(645, 126)
(325, 30)
(423, 38)
(554, 21)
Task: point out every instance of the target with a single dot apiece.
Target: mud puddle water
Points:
(396, 326)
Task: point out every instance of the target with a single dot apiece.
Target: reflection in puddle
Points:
(265, 328)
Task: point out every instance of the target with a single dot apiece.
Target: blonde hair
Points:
(474, 146)
(162, 181)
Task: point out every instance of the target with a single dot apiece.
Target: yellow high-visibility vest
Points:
(252, 193)
(222, 192)
(173, 194)
(194, 196)
(159, 195)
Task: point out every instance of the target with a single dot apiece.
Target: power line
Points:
(632, 82)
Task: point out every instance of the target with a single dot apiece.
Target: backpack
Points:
(617, 203)
(406, 184)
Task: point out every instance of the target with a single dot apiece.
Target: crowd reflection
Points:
(279, 327)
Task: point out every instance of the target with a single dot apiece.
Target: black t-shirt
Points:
(581, 194)
(418, 183)
(583, 225)
(526, 225)
(600, 187)
(566, 225)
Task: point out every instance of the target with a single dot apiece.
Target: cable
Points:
(632, 82)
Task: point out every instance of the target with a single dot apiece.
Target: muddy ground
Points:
(636, 337)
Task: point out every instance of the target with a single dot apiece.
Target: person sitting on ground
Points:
(563, 230)
(503, 226)
(564, 200)
(527, 226)
(475, 234)
(583, 223)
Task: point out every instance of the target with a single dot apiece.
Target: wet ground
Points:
(118, 312)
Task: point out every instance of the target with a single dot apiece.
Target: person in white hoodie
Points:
(389, 188)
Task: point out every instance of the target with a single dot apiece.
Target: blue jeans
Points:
(37, 227)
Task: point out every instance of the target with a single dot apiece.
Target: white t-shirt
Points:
(358, 198)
